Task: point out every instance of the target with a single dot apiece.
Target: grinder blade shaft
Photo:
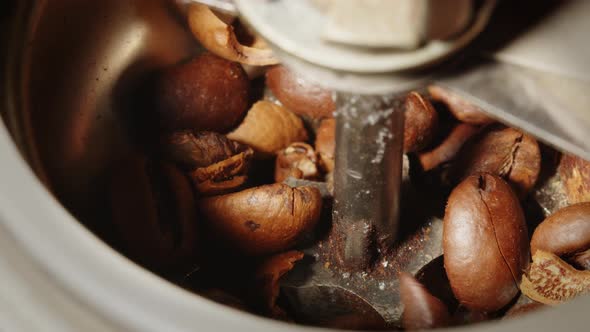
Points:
(367, 175)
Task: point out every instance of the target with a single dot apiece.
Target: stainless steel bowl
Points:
(69, 68)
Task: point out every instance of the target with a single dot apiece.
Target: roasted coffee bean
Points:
(505, 152)
(206, 93)
(485, 242)
(566, 233)
(300, 95)
(262, 220)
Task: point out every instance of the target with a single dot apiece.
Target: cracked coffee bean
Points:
(262, 220)
(485, 242)
(505, 152)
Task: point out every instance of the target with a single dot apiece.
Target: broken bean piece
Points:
(325, 144)
(484, 230)
(552, 281)
(421, 122)
(219, 38)
(449, 148)
(300, 95)
(207, 93)
(213, 187)
(575, 176)
(505, 152)
(191, 149)
(298, 160)
(462, 109)
(267, 278)
(269, 128)
(421, 309)
(262, 220)
(215, 163)
(223, 177)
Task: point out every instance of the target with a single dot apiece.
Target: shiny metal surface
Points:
(60, 103)
(315, 284)
(552, 107)
(78, 88)
(368, 173)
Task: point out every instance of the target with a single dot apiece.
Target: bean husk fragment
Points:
(267, 277)
(219, 38)
(575, 176)
(269, 128)
(298, 160)
(552, 281)
(216, 164)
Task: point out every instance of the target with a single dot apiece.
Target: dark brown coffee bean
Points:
(300, 95)
(206, 93)
(485, 242)
(565, 233)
